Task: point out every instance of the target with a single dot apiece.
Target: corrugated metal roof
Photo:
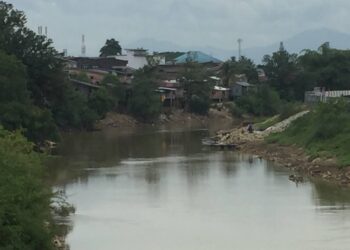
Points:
(244, 84)
(221, 88)
(196, 56)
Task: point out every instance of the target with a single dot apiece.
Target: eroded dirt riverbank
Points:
(178, 118)
(297, 160)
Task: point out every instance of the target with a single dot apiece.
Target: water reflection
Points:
(157, 189)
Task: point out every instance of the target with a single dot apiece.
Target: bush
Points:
(199, 105)
(74, 111)
(264, 102)
(145, 103)
(116, 89)
(289, 108)
(234, 109)
(24, 199)
(325, 131)
(101, 102)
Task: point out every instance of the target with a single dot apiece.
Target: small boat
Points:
(213, 143)
(208, 141)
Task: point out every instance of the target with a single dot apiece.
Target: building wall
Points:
(236, 90)
(135, 62)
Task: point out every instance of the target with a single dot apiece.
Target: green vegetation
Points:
(111, 48)
(116, 90)
(263, 102)
(197, 88)
(261, 126)
(36, 95)
(24, 199)
(101, 102)
(16, 108)
(324, 132)
(81, 76)
(145, 103)
(234, 109)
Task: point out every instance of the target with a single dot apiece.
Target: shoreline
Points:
(176, 118)
(297, 160)
(289, 156)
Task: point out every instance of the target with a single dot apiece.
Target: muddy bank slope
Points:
(175, 118)
(290, 156)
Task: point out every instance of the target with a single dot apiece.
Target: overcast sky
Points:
(189, 23)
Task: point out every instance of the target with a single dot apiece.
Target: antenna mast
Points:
(83, 47)
(239, 48)
(40, 30)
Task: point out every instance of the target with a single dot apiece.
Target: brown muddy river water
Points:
(156, 189)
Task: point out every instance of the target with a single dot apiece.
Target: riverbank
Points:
(296, 159)
(290, 156)
(174, 118)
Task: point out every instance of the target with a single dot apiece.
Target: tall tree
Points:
(111, 48)
(327, 67)
(49, 91)
(233, 67)
(282, 69)
(197, 88)
(145, 103)
(16, 108)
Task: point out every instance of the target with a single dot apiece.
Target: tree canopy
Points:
(36, 94)
(111, 48)
(233, 67)
(197, 88)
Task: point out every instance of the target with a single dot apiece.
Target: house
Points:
(100, 63)
(239, 89)
(220, 94)
(158, 58)
(172, 93)
(170, 72)
(136, 58)
(95, 76)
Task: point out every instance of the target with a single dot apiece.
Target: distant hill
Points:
(310, 39)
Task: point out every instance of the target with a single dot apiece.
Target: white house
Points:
(137, 58)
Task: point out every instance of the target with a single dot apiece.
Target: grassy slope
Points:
(324, 132)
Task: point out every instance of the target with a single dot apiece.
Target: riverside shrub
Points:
(325, 131)
(24, 198)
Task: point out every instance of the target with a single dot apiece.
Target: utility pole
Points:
(239, 48)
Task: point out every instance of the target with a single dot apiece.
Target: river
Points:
(156, 189)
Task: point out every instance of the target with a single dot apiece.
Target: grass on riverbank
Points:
(324, 132)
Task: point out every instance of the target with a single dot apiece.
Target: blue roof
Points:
(196, 56)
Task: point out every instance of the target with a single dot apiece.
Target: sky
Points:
(188, 23)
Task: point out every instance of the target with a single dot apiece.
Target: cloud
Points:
(216, 23)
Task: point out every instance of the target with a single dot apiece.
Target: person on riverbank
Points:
(250, 128)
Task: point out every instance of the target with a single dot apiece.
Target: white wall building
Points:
(137, 58)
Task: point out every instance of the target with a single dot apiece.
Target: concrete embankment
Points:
(241, 136)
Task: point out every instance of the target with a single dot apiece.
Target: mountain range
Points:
(310, 39)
